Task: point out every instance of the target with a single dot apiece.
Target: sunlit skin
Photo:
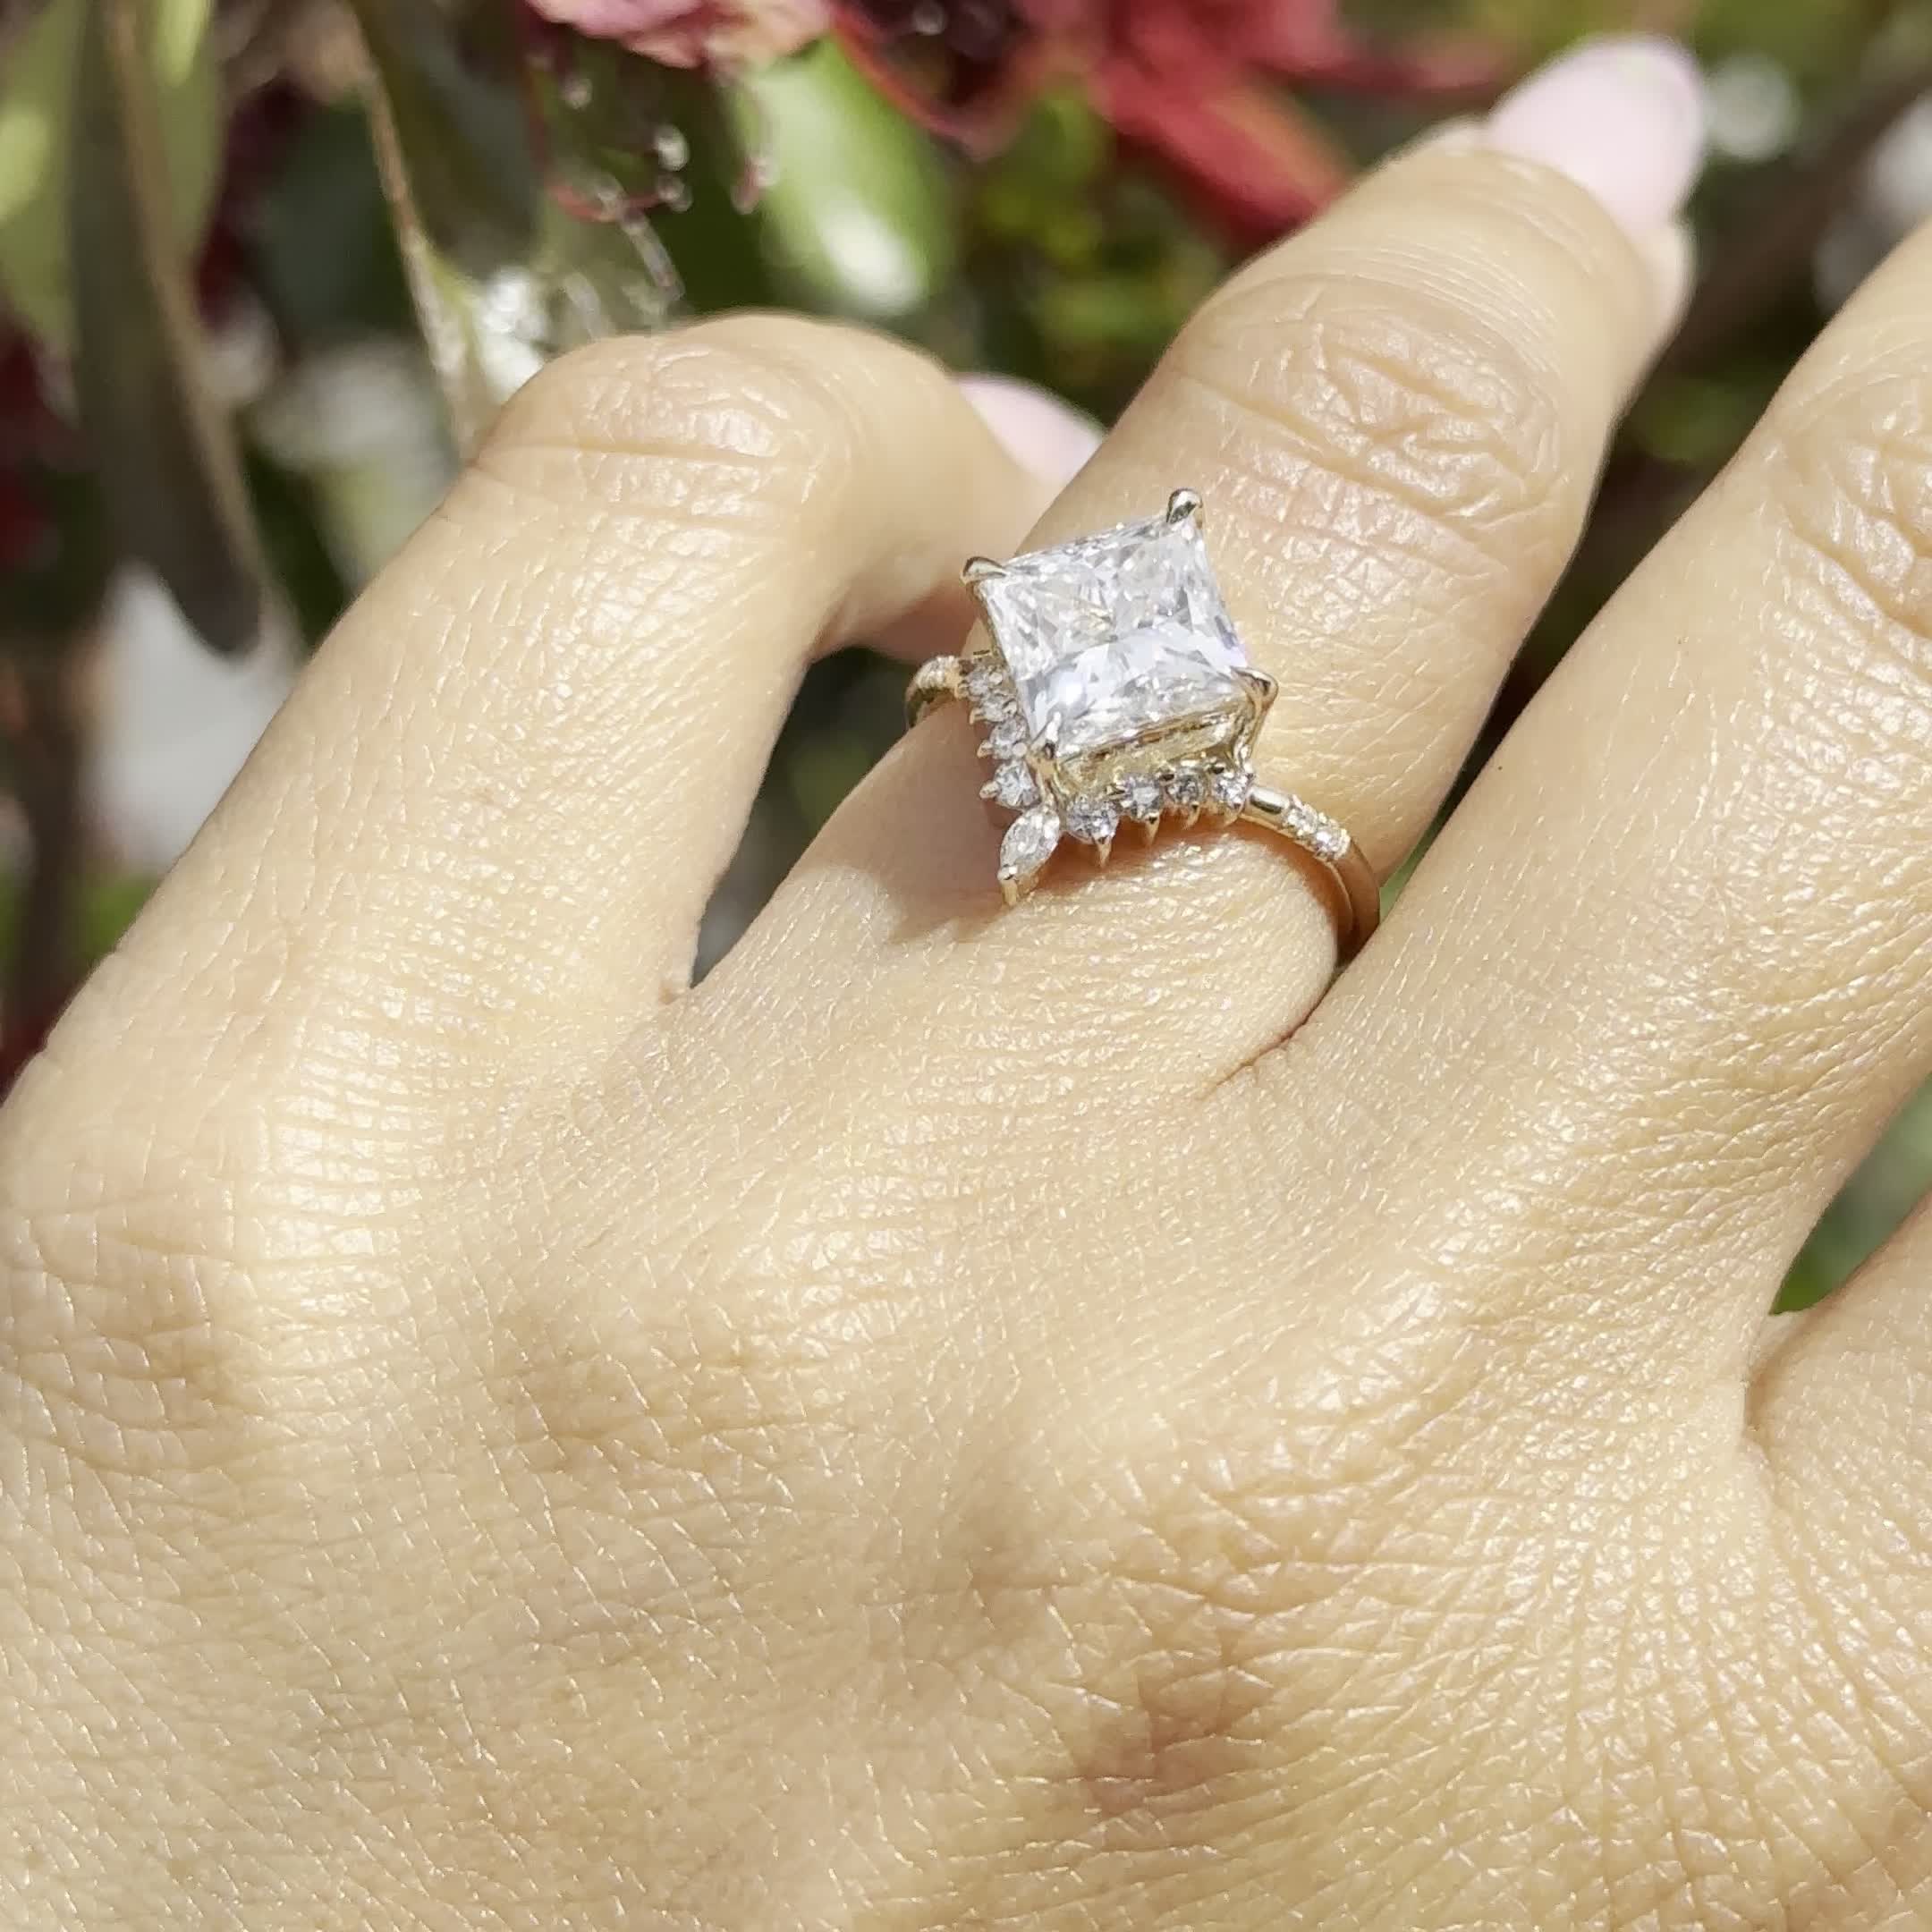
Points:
(974, 1418)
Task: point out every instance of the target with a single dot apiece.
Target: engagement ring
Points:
(1113, 689)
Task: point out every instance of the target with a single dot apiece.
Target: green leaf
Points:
(858, 215)
(621, 135)
(171, 473)
(503, 275)
(37, 110)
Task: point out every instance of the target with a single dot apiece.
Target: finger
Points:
(1050, 440)
(1394, 420)
(496, 804)
(1663, 978)
(1840, 1401)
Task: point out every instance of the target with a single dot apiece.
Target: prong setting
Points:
(1186, 788)
(1148, 713)
(1093, 821)
(1139, 795)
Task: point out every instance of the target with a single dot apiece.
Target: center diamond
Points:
(1116, 636)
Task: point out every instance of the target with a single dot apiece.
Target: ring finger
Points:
(1704, 856)
(1394, 420)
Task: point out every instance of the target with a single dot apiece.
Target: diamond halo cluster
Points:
(1113, 690)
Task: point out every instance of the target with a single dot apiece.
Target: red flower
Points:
(1187, 80)
(696, 33)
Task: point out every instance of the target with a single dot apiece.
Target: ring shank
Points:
(1331, 847)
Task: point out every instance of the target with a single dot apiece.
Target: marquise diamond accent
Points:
(1030, 843)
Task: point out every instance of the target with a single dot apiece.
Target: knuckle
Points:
(1397, 400)
(181, 1280)
(125, 1353)
(728, 422)
(716, 1400)
(1244, 1586)
(1849, 472)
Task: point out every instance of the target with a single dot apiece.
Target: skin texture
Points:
(1009, 1420)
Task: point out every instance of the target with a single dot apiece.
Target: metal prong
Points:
(980, 570)
(1262, 686)
(1188, 815)
(1182, 505)
(1214, 807)
(1013, 888)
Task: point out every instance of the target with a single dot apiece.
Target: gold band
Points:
(1359, 910)
(936, 682)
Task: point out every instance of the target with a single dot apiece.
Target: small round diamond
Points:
(1013, 786)
(1093, 821)
(995, 704)
(1140, 798)
(1228, 787)
(1007, 739)
(1186, 788)
(984, 679)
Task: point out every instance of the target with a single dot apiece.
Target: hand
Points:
(975, 1419)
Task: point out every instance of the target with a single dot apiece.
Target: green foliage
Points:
(859, 215)
(175, 489)
(37, 130)
(1082, 265)
(108, 905)
(322, 249)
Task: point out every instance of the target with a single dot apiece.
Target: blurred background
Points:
(267, 266)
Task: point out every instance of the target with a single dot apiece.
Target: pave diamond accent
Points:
(1229, 787)
(1093, 821)
(1006, 740)
(1013, 785)
(984, 680)
(1115, 636)
(1186, 787)
(1322, 835)
(1140, 798)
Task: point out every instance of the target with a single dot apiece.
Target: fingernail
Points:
(1044, 434)
(1671, 255)
(1623, 117)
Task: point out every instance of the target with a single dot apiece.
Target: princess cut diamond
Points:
(1115, 636)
